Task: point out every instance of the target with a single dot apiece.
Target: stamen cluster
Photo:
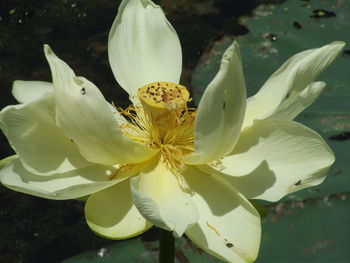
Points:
(163, 122)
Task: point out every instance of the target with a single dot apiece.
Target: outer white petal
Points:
(71, 185)
(221, 111)
(112, 214)
(84, 116)
(32, 132)
(143, 47)
(296, 103)
(293, 76)
(276, 157)
(7, 160)
(28, 91)
(160, 199)
(228, 225)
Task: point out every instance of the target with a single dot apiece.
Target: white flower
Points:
(159, 162)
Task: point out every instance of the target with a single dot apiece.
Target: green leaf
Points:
(310, 231)
(139, 251)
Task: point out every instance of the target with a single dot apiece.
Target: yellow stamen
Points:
(164, 122)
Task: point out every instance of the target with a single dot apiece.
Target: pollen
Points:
(162, 122)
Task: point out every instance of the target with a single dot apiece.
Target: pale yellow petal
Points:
(112, 214)
(274, 158)
(7, 160)
(159, 196)
(70, 185)
(296, 103)
(83, 115)
(143, 47)
(40, 144)
(228, 225)
(28, 91)
(221, 111)
(293, 76)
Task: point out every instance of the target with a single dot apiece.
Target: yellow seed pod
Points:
(158, 98)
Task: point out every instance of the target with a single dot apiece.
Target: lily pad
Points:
(139, 251)
(310, 231)
(276, 33)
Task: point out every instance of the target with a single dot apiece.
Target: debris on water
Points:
(340, 137)
(307, 2)
(102, 252)
(12, 11)
(342, 197)
(297, 25)
(326, 201)
(337, 172)
(271, 37)
(346, 53)
(298, 204)
(322, 13)
(326, 245)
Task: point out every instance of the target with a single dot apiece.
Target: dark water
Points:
(38, 230)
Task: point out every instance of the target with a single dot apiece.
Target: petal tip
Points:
(47, 49)
(339, 44)
(232, 52)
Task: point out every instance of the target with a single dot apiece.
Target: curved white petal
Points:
(143, 47)
(7, 160)
(32, 132)
(276, 157)
(221, 111)
(84, 116)
(160, 199)
(28, 91)
(71, 185)
(296, 103)
(293, 76)
(228, 225)
(112, 214)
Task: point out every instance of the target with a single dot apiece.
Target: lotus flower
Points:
(160, 162)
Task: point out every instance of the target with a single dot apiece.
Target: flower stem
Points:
(166, 247)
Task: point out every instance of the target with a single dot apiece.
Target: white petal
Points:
(228, 225)
(112, 214)
(296, 103)
(143, 47)
(293, 76)
(221, 111)
(28, 91)
(7, 160)
(71, 185)
(84, 116)
(32, 132)
(276, 157)
(159, 198)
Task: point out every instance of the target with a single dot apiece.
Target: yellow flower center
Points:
(163, 122)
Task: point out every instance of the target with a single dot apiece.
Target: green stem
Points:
(166, 247)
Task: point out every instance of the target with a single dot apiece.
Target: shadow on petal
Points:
(254, 183)
(70, 185)
(108, 209)
(216, 192)
(95, 173)
(228, 225)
